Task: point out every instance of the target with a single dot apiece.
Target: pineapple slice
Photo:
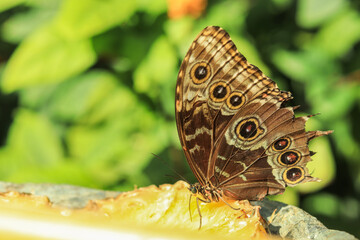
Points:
(144, 213)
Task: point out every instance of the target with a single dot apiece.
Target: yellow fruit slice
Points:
(144, 213)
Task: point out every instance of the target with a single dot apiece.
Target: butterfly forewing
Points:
(235, 133)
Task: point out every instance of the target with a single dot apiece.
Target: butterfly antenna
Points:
(172, 169)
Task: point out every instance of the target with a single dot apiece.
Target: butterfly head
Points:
(194, 188)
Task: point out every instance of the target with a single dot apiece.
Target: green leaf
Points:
(116, 102)
(346, 140)
(334, 101)
(323, 203)
(323, 164)
(282, 4)
(74, 99)
(44, 57)
(293, 65)
(7, 4)
(180, 32)
(157, 68)
(312, 13)
(290, 196)
(153, 7)
(83, 19)
(310, 66)
(339, 36)
(21, 25)
(8, 167)
(156, 75)
(122, 144)
(34, 140)
(67, 171)
(250, 52)
(36, 97)
(230, 15)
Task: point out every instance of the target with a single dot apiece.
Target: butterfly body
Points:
(208, 193)
(238, 139)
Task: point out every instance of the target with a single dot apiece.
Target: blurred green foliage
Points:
(87, 90)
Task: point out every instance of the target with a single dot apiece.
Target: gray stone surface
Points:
(294, 223)
(60, 194)
(290, 222)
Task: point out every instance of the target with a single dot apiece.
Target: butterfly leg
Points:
(222, 199)
(190, 207)
(198, 208)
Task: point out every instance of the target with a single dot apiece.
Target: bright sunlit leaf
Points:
(83, 19)
(45, 57)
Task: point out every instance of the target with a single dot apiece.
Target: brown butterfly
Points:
(238, 139)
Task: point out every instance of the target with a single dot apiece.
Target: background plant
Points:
(87, 89)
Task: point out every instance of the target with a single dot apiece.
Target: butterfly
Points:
(239, 139)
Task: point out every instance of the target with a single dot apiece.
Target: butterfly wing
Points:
(275, 158)
(194, 124)
(229, 119)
